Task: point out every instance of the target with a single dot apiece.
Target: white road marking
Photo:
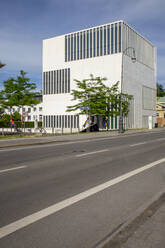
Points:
(15, 168)
(91, 153)
(8, 229)
(138, 144)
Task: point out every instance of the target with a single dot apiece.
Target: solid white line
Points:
(91, 153)
(138, 144)
(8, 229)
(15, 168)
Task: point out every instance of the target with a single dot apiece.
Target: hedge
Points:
(28, 124)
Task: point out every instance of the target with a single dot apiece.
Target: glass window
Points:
(105, 40)
(51, 82)
(98, 42)
(29, 110)
(71, 47)
(47, 83)
(68, 121)
(57, 121)
(108, 38)
(57, 84)
(81, 45)
(71, 121)
(29, 118)
(68, 48)
(74, 46)
(65, 121)
(119, 37)
(112, 38)
(77, 121)
(68, 80)
(65, 48)
(62, 125)
(63, 81)
(34, 109)
(23, 109)
(78, 46)
(88, 44)
(94, 42)
(40, 108)
(115, 37)
(54, 91)
(101, 41)
(91, 42)
(74, 121)
(51, 120)
(54, 121)
(84, 42)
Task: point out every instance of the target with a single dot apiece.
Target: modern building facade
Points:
(103, 51)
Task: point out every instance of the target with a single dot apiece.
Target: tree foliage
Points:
(96, 98)
(160, 90)
(18, 92)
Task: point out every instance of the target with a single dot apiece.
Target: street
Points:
(72, 194)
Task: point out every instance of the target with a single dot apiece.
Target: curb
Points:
(113, 239)
(54, 141)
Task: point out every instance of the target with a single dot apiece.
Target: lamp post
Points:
(133, 58)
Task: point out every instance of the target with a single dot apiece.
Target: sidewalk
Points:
(151, 234)
(67, 137)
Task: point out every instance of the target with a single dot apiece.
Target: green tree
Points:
(93, 95)
(18, 92)
(160, 90)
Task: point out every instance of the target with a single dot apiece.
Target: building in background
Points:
(103, 51)
(33, 113)
(160, 111)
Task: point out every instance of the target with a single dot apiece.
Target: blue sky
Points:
(24, 24)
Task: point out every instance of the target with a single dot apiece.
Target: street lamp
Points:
(133, 58)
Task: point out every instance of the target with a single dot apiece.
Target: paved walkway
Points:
(69, 137)
(151, 234)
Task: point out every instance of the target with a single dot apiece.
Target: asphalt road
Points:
(72, 194)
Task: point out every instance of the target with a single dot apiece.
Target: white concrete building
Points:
(103, 51)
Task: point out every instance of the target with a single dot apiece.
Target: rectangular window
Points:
(65, 121)
(81, 45)
(68, 121)
(66, 48)
(74, 121)
(115, 37)
(78, 46)
(51, 82)
(59, 121)
(108, 34)
(105, 40)
(119, 37)
(46, 121)
(68, 80)
(88, 44)
(84, 43)
(62, 80)
(94, 42)
(71, 47)
(51, 120)
(71, 121)
(29, 110)
(57, 82)
(98, 42)
(54, 121)
(101, 41)
(43, 82)
(91, 42)
(112, 38)
(54, 82)
(74, 46)
(62, 121)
